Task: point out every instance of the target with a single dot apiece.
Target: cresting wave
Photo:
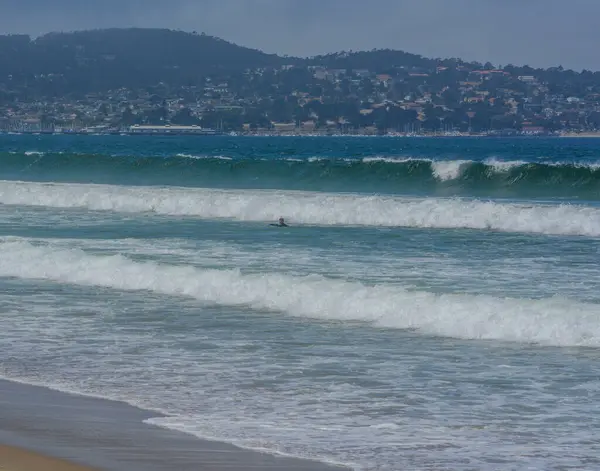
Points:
(390, 174)
(326, 209)
(549, 321)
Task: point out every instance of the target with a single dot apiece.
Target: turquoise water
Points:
(434, 304)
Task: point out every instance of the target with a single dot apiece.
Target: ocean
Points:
(433, 304)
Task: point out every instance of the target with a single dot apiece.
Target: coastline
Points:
(403, 135)
(582, 135)
(46, 429)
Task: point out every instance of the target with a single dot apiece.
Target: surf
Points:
(311, 208)
(552, 321)
(389, 174)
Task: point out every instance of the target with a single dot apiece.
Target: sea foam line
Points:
(203, 157)
(554, 321)
(327, 209)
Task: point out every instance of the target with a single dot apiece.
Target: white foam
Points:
(204, 157)
(391, 160)
(450, 169)
(326, 209)
(479, 272)
(503, 165)
(593, 166)
(553, 321)
(443, 170)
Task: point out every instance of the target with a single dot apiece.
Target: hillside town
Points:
(435, 98)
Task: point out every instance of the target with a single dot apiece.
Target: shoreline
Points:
(82, 433)
(583, 135)
(396, 135)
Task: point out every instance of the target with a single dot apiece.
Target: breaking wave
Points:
(310, 208)
(493, 177)
(555, 321)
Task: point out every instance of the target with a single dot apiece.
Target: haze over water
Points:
(433, 305)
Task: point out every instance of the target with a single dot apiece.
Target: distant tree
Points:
(127, 117)
(184, 117)
(157, 115)
(594, 120)
(451, 97)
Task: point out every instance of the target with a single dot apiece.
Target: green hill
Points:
(78, 63)
(98, 60)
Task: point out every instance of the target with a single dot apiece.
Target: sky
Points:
(539, 33)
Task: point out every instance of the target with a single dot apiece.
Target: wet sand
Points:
(42, 429)
(18, 459)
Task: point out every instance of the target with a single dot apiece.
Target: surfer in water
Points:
(280, 223)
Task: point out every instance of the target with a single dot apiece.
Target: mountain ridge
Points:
(102, 59)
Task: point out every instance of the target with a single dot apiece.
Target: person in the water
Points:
(280, 223)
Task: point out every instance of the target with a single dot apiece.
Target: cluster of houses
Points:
(311, 100)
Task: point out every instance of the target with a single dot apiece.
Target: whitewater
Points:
(433, 304)
(311, 208)
(317, 297)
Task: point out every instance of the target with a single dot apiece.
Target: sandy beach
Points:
(43, 429)
(18, 459)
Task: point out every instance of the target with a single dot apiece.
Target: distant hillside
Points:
(77, 63)
(113, 58)
(57, 64)
(376, 60)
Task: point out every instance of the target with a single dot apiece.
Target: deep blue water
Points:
(433, 305)
(452, 166)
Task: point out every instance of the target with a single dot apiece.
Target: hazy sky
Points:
(535, 32)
